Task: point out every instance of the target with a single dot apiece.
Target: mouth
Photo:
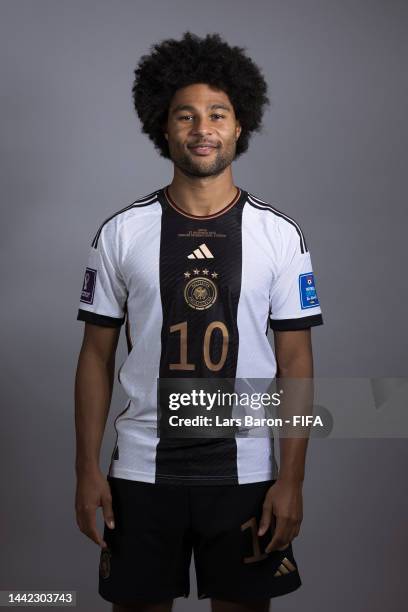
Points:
(203, 149)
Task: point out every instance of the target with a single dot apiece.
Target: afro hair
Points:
(173, 64)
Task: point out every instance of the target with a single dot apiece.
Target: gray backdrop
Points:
(332, 154)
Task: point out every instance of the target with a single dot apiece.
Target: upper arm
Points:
(101, 341)
(293, 352)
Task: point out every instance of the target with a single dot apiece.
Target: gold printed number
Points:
(257, 556)
(183, 365)
(214, 367)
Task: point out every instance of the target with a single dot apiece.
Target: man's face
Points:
(201, 115)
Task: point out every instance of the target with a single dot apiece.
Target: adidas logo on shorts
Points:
(285, 567)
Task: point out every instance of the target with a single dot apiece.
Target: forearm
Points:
(297, 383)
(93, 392)
(292, 459)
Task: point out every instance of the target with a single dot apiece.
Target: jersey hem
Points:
(131, 475)
(145, 477)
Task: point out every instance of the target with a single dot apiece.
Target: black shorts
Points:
(158, 526)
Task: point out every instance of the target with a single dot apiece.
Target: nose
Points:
(201, 125)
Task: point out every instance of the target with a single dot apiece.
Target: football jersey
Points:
(196, 295)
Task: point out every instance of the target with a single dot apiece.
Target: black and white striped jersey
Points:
(196, 294)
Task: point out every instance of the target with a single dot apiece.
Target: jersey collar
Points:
(166, 199)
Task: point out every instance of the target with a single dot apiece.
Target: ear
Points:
(238, 130)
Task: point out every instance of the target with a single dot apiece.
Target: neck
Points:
(202, 196)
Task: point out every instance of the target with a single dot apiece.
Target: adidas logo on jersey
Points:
(203, 252)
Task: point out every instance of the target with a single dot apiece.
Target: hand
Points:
(284, 503)
(93, 491)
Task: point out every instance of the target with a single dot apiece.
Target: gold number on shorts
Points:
(257, 556)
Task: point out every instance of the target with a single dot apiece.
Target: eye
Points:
(218, 115)
(182, 117)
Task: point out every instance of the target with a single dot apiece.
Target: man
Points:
(197, 270)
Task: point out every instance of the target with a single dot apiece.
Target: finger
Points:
(278, 543)
(107, 511)
(88, 527)
(281, 536)
(93, 534)
(266, 519)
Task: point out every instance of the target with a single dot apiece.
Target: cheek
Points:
(178, 136)
(228, 131)
(230, 138)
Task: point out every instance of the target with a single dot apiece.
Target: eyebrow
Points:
(180, 107)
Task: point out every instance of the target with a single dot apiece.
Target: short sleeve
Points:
(104, 293)
(294, 303)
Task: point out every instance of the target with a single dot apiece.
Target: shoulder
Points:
(286, 226)
(117, 220)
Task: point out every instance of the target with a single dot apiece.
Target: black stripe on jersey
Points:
(257, 203)
(97, 319)
(295, 324)
(199, 460)
(144, 201)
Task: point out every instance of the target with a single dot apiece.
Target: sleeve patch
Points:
(88, 288)
(307, 289)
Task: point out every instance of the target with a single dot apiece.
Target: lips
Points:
(203, 148)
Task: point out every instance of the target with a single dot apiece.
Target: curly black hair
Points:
(173, 64)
